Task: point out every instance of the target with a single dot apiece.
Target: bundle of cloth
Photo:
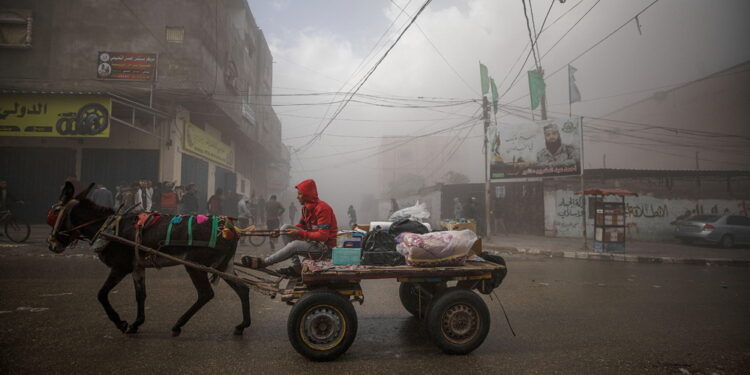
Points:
(434, 249)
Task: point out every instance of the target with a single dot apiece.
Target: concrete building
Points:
(112, 91)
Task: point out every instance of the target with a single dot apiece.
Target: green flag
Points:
(536, 88)
(495, 96)
(484, 75)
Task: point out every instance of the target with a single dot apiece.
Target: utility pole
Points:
(486, 116)
(544, 97)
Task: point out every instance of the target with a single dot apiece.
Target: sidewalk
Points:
(635, 251)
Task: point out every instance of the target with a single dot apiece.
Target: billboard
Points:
(200, 142)
(126, 66)
(55, 115)
(545, 148)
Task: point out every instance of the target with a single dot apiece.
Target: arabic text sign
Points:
(538, 149)
(126, 66)
(55, 116)
(204, 144)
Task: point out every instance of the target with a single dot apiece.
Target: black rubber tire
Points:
(727, 241)
(322, 310)
(410, 298)
(458, 321)
(17, 229)
(686, 241)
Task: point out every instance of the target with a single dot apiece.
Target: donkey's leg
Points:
(244, 293)
(139, 282)
(115, 276)
(205, 293)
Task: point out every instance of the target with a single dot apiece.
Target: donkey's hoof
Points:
(122, 326)
(132, 329)
(238, 330)
(176, 332)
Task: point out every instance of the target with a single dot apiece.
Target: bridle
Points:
(75, 232)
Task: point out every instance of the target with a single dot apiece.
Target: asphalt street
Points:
(570, 317)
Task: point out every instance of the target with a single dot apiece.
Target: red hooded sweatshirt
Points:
(318, 220)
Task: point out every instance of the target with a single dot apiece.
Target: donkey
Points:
(79, 218)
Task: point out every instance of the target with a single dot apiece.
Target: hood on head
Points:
(309, 190)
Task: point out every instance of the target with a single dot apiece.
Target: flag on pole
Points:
(485, 77)
(536, 88)
(573, 94)
(495, 96)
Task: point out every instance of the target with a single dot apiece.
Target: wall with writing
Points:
(647, 217)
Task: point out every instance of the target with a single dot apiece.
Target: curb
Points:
(610, 257)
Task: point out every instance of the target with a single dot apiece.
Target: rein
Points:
(74, 232)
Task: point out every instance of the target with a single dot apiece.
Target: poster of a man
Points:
(540, 149)
(555, 153)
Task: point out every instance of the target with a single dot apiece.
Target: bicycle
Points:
(16, 228)
(256, 241)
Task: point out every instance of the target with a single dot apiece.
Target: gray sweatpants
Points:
(293, 248)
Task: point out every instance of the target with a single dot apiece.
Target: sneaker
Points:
(252, 262)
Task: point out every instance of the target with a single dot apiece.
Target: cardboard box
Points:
(471, 225)
(476, 249)
(364, 227)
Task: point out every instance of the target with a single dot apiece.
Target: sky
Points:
(325, 46)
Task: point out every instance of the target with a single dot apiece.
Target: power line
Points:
(440, 54)
(588, 49)
(529, 43)
(527, 56)
(367, 76)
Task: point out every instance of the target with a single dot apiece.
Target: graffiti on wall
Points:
(653, 217)
(646, 210)
(570, 207)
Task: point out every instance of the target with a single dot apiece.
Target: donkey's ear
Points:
(85, 193)
(67, 192)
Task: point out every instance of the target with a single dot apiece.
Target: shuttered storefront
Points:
(112, 167)
(35, 176)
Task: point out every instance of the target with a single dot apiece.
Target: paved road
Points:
(571, 317)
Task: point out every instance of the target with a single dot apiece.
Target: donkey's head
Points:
(74, 218)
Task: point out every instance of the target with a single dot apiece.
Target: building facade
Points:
(114, 91)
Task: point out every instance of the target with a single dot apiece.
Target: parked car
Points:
(724, 230)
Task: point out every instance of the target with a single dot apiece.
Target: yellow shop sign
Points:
(55, 116)
(196, 140)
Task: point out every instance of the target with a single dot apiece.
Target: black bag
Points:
(379, 249)
(406, 225)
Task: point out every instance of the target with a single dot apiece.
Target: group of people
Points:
(144, 195)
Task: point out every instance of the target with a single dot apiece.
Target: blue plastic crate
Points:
(346, 256)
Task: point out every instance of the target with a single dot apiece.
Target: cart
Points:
(323, 323)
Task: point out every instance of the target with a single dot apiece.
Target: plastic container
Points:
(346, 256)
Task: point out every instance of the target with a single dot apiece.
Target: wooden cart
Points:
(323, 323)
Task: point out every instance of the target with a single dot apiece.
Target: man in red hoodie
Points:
(314, 235)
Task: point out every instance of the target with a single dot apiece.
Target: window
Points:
(175, 34)
(15, 28)
(738, 220)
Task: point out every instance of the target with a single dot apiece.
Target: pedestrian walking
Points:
(144, 196)
(274, 210)
(214, 203)
(168, 199)
(261, 209)
(189, 201)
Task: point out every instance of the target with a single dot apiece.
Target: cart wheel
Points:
(414, 300)
(322, 325)
(458, 321)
